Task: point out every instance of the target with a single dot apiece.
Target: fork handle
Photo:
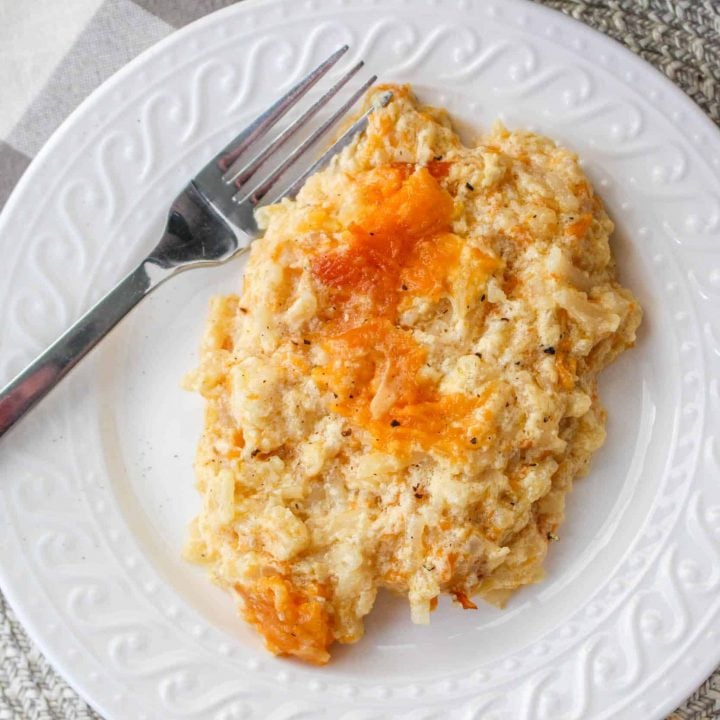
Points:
(33, 383)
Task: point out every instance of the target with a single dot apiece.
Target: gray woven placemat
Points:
(680, 37)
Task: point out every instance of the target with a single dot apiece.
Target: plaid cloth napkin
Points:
(53, 53)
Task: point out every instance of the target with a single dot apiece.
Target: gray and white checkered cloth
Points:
(53, 54)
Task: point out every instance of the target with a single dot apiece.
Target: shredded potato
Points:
(405, 389)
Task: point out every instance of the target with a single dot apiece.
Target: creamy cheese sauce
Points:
(405, 389)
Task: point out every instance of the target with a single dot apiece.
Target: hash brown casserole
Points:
(405, 389)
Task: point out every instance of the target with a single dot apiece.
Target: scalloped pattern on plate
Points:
(84, 540)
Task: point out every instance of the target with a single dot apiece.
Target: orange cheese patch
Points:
(400, 244)
(375, 374)
(402, 225)
(579, 228)
(293, 621)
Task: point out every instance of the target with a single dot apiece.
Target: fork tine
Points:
(343, 141)
(266, 120)
(241, 175)
(261, 190)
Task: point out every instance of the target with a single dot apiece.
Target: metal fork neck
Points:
(195, 235)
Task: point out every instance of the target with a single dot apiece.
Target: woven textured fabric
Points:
(679, 37)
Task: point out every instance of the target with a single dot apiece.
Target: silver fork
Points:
(210, 222)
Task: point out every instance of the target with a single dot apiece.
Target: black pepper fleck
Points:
(473, 440)
(482, 299)
(346, 433)
(549, 350)
(469, 186)
(394, 423)
(306, 342)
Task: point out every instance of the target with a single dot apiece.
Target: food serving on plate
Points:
(405, 389)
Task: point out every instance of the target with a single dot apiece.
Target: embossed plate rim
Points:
(245, 9)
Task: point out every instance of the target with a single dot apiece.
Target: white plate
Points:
(97, 485)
